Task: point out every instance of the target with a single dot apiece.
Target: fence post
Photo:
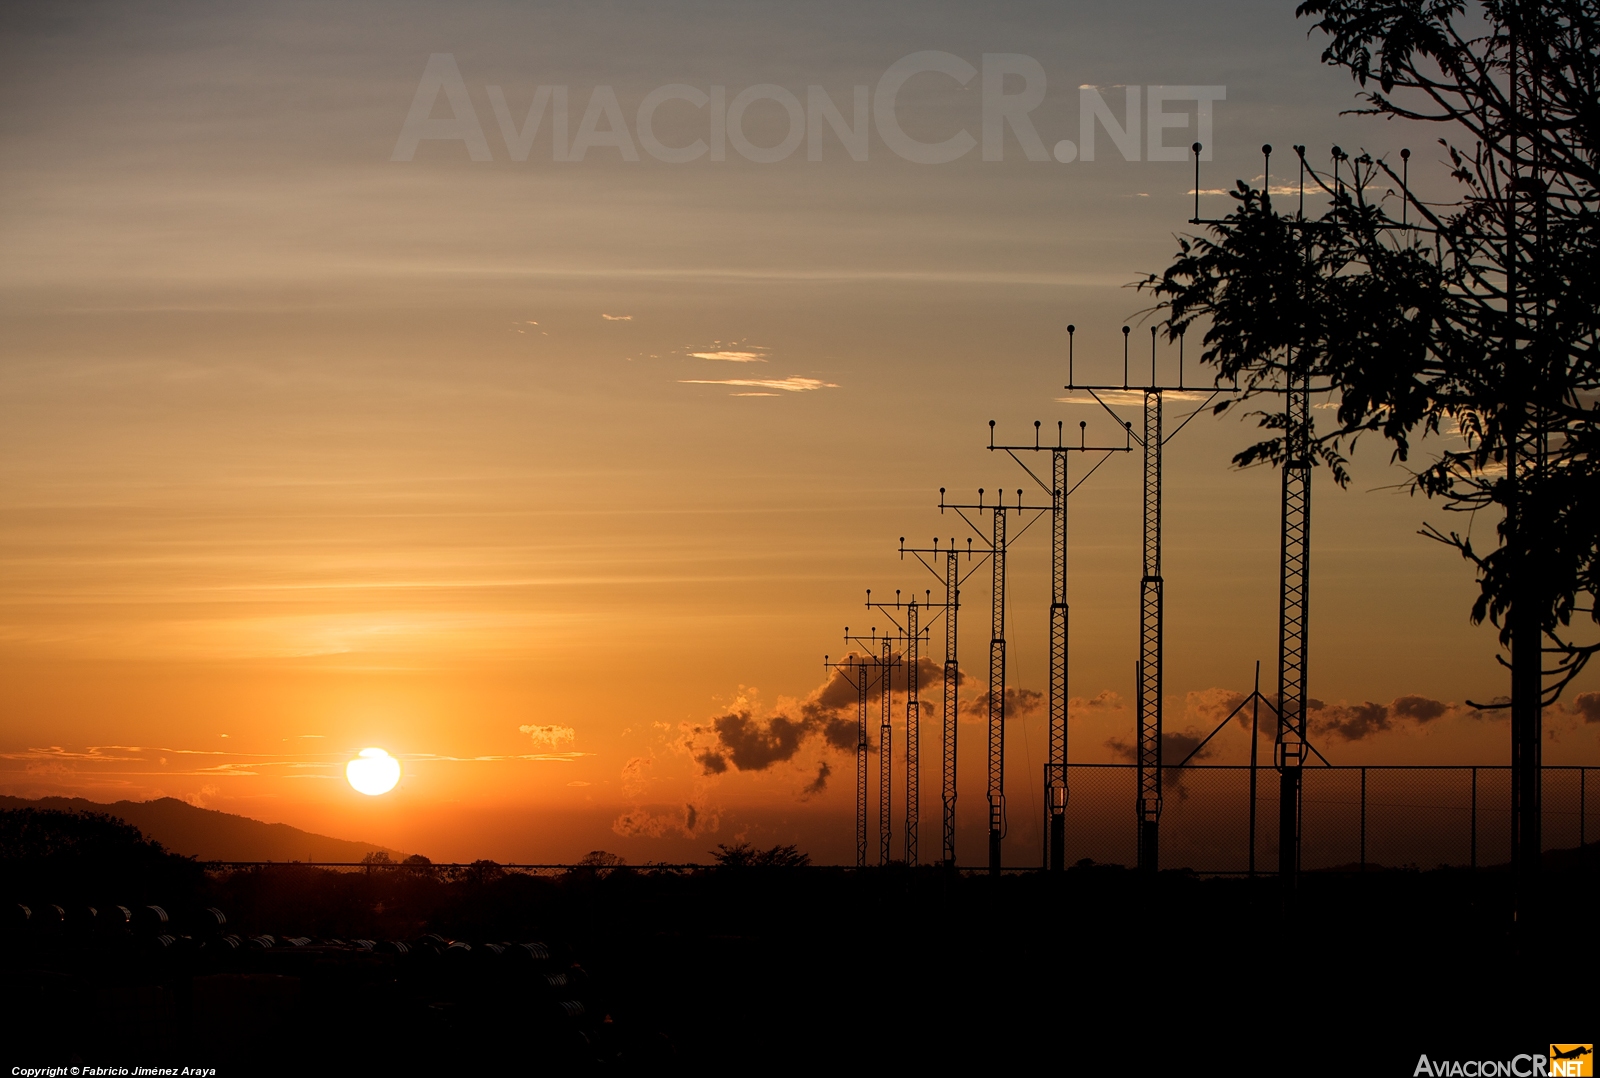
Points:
(1255, 719)
(1363, 820)
(1583, 811)
(1474, 817)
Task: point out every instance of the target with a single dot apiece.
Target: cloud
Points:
(752, 744)
(930, 675)
(741, 739)
(818, 784)
(831, 711)
(1587, 704)
(635, 775)
(1354, 722)
(1018, 702)
(755, 394)
(792, 384)
(1105, 700)
(1211, 706)
(1417, 707)
(202, 797)
(549, 735)
(731, 356)
(611, 318)
(1132, 396)
(688, 820)
(1175, 748)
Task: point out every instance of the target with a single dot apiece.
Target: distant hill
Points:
(211, 835)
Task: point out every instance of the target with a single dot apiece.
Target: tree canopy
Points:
(1469, 321)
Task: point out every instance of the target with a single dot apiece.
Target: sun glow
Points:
(373, 772)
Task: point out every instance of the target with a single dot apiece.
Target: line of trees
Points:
(1469, 322)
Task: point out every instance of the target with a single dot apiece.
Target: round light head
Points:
(373, 772)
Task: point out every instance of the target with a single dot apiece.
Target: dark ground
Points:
(800, 969)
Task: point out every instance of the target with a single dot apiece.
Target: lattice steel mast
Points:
(1290, 745)
(1055, 768)
(950, 712)
(883, 660)
(1148, 673)
(879, 651)
(861, 766)
(1151, 614)
(997, 691)
(913, 733)
(995, 787)
(855, 672)
(911, 632)
(948, 571)
(886, 753)
(1293, 612)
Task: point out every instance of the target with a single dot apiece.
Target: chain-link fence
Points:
(1353, 818)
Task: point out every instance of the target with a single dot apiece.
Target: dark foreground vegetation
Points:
(760, 963)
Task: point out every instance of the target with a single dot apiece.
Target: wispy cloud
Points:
(792, 384)
(558, 757)
(1134, 395)
(732, 357)
(617, 317)
(549, 735)
(95, 758)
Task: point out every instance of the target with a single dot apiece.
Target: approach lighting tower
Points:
(1055, 769)
(998, 544)
(945, 566)
(907, 618)
(858, 674)
(884, 660)
(1151, 586)
(1294, 579)
(1290, 746)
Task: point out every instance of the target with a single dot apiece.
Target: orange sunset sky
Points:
(528, 470)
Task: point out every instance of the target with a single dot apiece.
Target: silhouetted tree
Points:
(744, 855)
(482, 872)
(1474, 321)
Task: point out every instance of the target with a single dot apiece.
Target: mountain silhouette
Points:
(211, 835)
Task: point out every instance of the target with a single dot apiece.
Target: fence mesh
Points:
(1352, 817)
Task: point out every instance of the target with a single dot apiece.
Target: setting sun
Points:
(373, 772)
